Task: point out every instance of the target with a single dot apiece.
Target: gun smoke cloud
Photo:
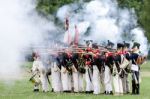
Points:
(103, 20)
(20, 26)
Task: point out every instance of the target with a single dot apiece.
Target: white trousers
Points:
(66, 80)
(38, 65)
(76, 81)
(117, 84)
(44, 82)
(125, 83)
(88, 79)
(56, 78)
(81, 82)
(107, 79)
(96, 80)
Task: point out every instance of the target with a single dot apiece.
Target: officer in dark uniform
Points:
(135, 68)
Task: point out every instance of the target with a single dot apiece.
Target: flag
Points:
(69, 37)
(66, 24)
(76, 38)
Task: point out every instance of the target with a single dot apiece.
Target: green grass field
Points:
(22, 89)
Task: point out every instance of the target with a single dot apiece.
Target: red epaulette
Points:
(124, 52)
(89, 49)
(110, 54)
(80, 50)
(119, 53)
(88, 63)
(96, 51)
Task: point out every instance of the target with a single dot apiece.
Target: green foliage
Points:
(144, 18)
(136, 4)
(51, 6)
(142, 9)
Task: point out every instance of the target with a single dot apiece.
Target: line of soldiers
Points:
(92, 69)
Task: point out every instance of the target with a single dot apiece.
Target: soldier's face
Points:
(119, 49)
(125, 48)
(135, 48)
(34, 58)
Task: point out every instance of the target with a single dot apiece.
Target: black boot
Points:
(36, 90)
(91, 91)
(133, 87)
(52, 90)
(107, 93)
(104, 92)
(137, 89)
(111, 93)
(67, 91)
(128, 92)
(88, 92)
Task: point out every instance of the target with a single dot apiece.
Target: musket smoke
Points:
(103, 20)
(20, 26)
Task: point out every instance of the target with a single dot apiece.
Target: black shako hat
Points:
(126, 45)
(136, 44)
(94, 45)
(110, 43)
(120, 45)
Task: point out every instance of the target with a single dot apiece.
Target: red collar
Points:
(119, 53)
(124, 52)
(69, 55)
(109, 54)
